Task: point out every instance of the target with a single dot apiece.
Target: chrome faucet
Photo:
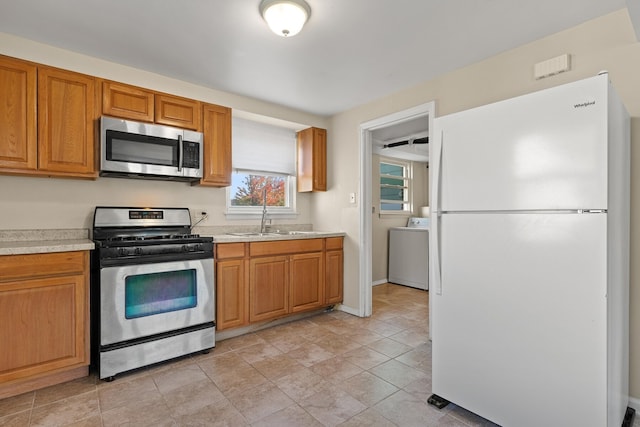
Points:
(263, 222)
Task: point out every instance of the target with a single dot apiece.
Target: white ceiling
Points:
(349, 53)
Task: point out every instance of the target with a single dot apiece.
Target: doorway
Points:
(424, 112)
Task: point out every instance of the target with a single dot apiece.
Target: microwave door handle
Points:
(180, 150)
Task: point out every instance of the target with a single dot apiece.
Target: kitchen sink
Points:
(272, 233)
(293, 233)
(253, 233)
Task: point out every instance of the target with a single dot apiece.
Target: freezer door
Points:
(519, 330)
(544, 151)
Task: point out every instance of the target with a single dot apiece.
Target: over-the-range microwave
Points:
(145, 150)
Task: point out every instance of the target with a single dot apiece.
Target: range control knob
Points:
(137, 251)
(122, 252)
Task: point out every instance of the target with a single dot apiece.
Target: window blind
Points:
(262, 147)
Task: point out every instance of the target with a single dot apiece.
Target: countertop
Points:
(257, 237)
(45, 246)
(21, 242)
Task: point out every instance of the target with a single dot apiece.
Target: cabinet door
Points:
(44, 326)
(231, 298)
(334, 276)
(268, 288)
(306, 281)
(312, 160)
(66, 122)
(127, 102)
(18, 144)
(179, 112)
(217, 146)
(319, 159)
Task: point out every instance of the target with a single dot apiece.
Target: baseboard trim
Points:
(379, 282)
(348, 310)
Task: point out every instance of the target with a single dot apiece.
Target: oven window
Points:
(154, 293)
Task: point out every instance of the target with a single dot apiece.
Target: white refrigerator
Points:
(529, 257)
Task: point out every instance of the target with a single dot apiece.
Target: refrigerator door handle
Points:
(436, 222)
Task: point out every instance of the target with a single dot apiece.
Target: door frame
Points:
(426, 110)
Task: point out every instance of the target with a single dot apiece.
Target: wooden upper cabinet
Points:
(312, 160)
(127, 102)
(176, 111)
(67, 116)
(18, 143)
(217, 146)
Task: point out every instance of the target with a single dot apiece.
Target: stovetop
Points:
(144, 234)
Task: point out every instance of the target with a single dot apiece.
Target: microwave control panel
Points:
(191, 155)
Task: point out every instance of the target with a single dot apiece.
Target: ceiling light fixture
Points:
(285, 17)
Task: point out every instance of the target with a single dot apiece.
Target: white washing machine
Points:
(409, 254)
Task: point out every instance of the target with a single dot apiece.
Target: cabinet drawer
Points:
(285, 247)
(334, 243)
(16, 267)
(229, 250)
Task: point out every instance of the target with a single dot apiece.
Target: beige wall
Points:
(606, 43)
(34, 203)
(380, 225)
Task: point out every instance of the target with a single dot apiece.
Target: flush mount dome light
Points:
(285, 17)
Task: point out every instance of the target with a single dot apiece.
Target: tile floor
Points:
(328, 370)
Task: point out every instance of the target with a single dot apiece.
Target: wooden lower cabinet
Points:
(268, 288)
(44, 320)
(232, 290)
(261, 281)
(231, 294)
(334, 270)
(307, 281)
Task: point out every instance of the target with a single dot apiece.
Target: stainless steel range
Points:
(153, 293)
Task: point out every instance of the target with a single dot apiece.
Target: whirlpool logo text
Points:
(584, 104)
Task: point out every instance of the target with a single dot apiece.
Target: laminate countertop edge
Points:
(44, 246)
(267, 237)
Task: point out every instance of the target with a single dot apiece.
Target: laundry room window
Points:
(264, 158)
(395, 186)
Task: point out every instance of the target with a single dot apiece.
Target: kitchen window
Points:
(264, 158)
(395, 186)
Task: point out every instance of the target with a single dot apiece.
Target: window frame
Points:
(254, 212)
(407, 177)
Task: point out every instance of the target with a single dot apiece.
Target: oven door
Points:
(137, 301)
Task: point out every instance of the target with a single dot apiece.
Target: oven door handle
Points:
(180, 156)
(154, 259)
